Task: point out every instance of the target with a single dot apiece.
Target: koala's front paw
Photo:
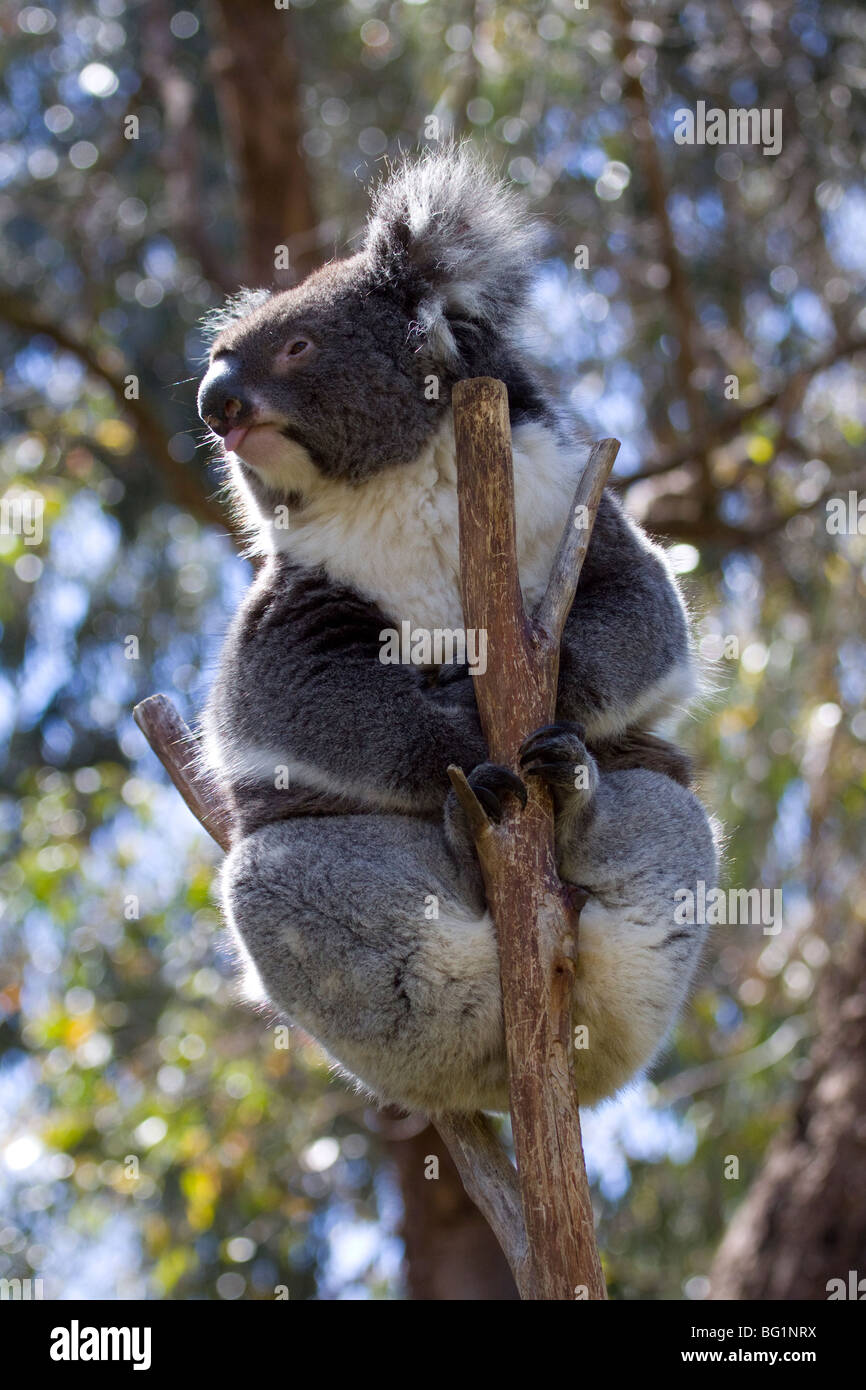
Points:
(490, 782)
(557, 753)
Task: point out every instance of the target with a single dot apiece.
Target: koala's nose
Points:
(223, 403)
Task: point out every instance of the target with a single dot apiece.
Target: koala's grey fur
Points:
(369, 928)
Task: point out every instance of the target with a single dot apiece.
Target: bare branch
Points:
(568, 562)
(535, 918)
(175, 745)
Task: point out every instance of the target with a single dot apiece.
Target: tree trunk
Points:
(451, 1252)
(256, 72)
(803, 1223)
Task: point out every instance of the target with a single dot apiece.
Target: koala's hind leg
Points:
(366, 932)
(631, 839)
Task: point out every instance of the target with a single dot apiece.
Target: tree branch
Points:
(491, 1182)
(718, 532)
(649, 163)
(182, 485)
(535, 918)
(176, 746)
(571, 553)
(715, 434)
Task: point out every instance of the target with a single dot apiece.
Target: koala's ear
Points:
(454, 241)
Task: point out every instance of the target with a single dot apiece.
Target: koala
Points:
(354, 896)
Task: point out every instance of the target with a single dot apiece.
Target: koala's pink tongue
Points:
(233, 439)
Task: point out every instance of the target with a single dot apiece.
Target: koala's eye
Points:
(294, 354)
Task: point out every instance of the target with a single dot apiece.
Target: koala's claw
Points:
(561, 729)
(490, 782)
(553, 752)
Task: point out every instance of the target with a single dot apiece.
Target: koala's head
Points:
(351, 372)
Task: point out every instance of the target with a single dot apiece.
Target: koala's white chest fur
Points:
(395, 538)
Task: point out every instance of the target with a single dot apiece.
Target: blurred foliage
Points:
(157, 1139)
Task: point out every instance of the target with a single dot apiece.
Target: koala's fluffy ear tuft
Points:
(455, 240)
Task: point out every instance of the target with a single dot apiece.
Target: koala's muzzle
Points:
(223, 401)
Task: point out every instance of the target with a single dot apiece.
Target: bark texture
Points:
(536, 918)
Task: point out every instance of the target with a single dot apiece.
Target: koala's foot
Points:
(558, 755)
(490, 783)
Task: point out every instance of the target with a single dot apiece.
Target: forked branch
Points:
(535, 918)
